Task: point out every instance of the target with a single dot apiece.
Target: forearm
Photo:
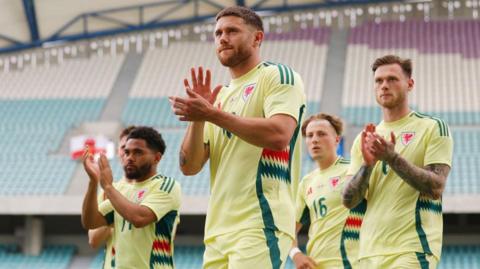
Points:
(265, 133)
(425, 181)
(193, 152)
(99, 235)
(91, 218)
(131, 212)
(356, 188)
(298, 227)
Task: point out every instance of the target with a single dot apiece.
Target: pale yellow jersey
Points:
(152, 245)
(109, 257)
(253, 187)
(399, 219)
(331, 242)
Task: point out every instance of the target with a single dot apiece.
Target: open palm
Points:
(368, 157)
(201, 84)
(90, 166)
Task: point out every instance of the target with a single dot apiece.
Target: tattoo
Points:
(429, 180)
(356, 188)
(182, 160)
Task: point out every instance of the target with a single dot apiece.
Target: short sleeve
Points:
(356, 158)
(439, 147)
(302, 213)
(163, 199)
(284, 92)
(106, 209)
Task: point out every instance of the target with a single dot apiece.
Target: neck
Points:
(244, 67)
(395, 113)
(326, 162)
(147, 176)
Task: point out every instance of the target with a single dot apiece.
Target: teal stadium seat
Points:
(58, 257)
(30, 133)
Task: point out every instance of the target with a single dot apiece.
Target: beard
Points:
(239, 56)
(138, 173)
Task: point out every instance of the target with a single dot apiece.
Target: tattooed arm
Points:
(193, 152)
(357, 185)
(429, 180)
(356, 188)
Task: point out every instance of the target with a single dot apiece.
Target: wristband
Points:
(294, 251)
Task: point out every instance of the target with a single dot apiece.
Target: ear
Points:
(158, 157)
(337, 139)
(259, 35)
(411, 82)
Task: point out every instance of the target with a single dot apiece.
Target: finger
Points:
(194, 78)
(178, 106)
(192, 94)
(208, 78)
(363, 140)
(180, 112)
(392, 138)
(215, 92)
(85, 154)
(200, 76)
(106, 163)
(185, 83)
(370, 128)
(311, 265)
(364, 136)
(369, 125)
(178, 100)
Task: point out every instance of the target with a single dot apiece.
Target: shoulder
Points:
(343, 162)
(166, 184)
(343, 165)
(434, 124)
(279, 73)
(308, 177)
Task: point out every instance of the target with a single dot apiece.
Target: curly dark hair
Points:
(153, 138)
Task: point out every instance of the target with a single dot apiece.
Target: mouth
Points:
(130, 167)
(224, 49)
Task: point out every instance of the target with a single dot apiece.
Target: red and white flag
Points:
(97, 145)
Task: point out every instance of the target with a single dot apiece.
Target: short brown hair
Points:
(126, 131)
(405, 64)
(247, 14)
(335, 121)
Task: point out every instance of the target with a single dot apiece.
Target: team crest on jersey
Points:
(309, 191)
(140, 195)
(334, 181)
(407, 137)
(248, 90)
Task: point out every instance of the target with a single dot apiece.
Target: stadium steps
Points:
(333, 82)
(121, 87)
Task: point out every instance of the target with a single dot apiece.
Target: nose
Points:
(222, 39)
(129, 158)
(384, 85)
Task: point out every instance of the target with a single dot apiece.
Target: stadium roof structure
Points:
(118, 19)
